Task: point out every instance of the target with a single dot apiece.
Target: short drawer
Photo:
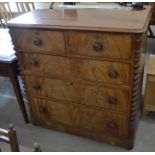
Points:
(78, 116)
(79, 92)
(101, 45)
(39, 41)
(92, 70)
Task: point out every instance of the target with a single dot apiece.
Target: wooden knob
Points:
(111, 125)
(37, 87)
(43, 110)
(11, 127)
(36, 147)
(33, 62)
(37, 42)
(97, 46)
(113, 73)
(112, 100)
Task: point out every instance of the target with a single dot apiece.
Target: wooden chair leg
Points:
(16, 86)
(13, 139)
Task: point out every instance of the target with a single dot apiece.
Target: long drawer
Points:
(92, 70)
(101, 45)
(50, 112)
(44, 41)
(79, 92)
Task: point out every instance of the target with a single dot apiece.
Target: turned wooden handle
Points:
(33, 62)
(36, 147)
(111, 125)
(43, 110)
(113, 73)
(97, 46)
(37, 87)
(112, 100)
(37, 42)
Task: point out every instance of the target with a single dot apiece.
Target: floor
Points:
(57, 141)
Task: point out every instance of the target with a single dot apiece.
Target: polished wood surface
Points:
(92, 70)
(46, 41)
(107, 45)
(79, 116)
(84, 80)
(129, 21)
(79, 92)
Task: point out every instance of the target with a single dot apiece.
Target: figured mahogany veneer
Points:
(81, 70)
(79, 92)
(79, 116)
(85, 69)
(107, 45)
(40, 41)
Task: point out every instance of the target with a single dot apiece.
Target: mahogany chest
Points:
(81, 69)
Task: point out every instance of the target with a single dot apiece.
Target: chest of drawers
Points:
(81, 74)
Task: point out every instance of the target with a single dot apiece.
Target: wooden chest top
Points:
(116, 20)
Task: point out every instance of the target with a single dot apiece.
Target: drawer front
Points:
(98, 71)
(78, 116)
(39, 40)
(79, 92)
(108, 45)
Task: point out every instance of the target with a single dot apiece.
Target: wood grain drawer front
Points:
(108, 45)
(98, 71)
(81, 117)
(79, 92)
(40, 40)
